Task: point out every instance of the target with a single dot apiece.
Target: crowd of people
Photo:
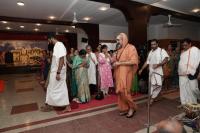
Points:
(80, 75)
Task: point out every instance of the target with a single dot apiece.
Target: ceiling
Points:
(63, 10)
(182, 6)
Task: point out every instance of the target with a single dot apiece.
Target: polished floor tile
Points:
(24, 108)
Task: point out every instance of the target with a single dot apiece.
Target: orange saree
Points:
(124, 75)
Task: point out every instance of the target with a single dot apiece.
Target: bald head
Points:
(170, 126)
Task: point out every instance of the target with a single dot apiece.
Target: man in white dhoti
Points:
(92, 69)
(187, 70)
(157, 57)
(57, 92)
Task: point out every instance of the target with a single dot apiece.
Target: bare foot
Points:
(67, 109)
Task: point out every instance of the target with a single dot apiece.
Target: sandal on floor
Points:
(123, 113)
(46, 108)
(131, 115)
(151, 101)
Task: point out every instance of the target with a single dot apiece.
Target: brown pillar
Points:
(137, 17)
(92, 30)
(137, 31)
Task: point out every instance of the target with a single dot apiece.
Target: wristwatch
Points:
(58, 72)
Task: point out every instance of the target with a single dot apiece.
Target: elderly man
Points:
(170, 126)
(92, 69)
(188, 73)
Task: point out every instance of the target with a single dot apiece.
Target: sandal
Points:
(131, 115)
(123, 113)
(46, 108)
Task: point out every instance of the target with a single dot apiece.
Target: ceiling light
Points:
(36, 29)
(38, 24)
(164, 0)
(4, 22)
(103, 8)
(66, 30)
(20, 3)
(73, 27)
(52, 17)
(196, 10)
(22, 26)
(86, 18)
(8, 28)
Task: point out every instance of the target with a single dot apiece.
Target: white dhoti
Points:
(188, 64)
(156, 75)
(57, 93)
(189, 91)
(156, 84)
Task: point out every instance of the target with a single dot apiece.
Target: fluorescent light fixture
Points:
(22, 26)
(103, 8)
(4, 22)
(20, 3)
(36, 29)
(196, 10)
(52, 17)
(38, 24)
(66, 30)
(73, 27)
(86, 18)
(8, 28)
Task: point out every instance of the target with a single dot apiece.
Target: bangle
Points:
(58, 72)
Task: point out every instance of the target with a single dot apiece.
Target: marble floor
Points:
(23, 96)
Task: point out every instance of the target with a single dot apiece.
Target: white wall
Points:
(109, 32)
(187, 30)
(81, 34)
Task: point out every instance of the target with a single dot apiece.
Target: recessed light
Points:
(20, 3)
(66, 30)
(4, 22)
(73, 27)
(86, 18)
(22, 26)
(38, 24)
(36, 29)
(52, 17)
(103, 8)
(196, 10)
(8, 28)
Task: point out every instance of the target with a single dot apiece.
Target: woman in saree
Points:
(80, 67)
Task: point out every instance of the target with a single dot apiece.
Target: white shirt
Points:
(92, 68)
(155, 57)
(59, 50)
(189, 61)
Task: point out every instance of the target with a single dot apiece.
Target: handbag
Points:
(192, 77)
(99, 95)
